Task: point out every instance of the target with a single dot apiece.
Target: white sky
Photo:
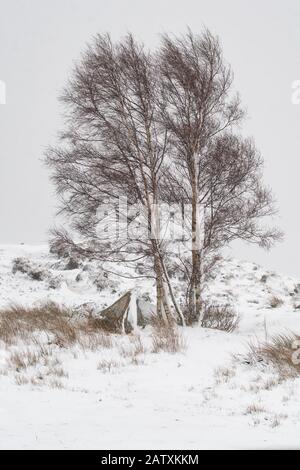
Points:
(39, 41)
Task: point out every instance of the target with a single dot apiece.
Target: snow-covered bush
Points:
(103, 281)
(68, 254)
(86, 310)
(36, 272)
(54, 282)
(32, 270)
(220, 318)
(58, 248)
(72, 263)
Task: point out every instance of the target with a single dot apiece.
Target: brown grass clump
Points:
(270, 384)
(255, 409)
(22, 359)
(58, 322)
(220, 318)
(21, 379)
(56, 384)
(277, 420)
(282, 352)
(18, 322)
(167, 338)
(224, 375)
(58, 372)
(134, 351)
(108, 365)
(138, 345)
(276, 302)
(94, 340)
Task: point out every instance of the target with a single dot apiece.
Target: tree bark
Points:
(196, 304)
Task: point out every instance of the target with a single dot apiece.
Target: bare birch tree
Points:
(114, 145)
(158, 128)
(218, 172)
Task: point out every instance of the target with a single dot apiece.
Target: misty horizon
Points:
(40, 44)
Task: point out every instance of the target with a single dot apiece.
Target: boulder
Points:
(115, 318)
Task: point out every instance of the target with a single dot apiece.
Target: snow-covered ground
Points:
(125, 397)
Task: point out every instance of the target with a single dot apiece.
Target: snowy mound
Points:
(30, 275)
(116, 391)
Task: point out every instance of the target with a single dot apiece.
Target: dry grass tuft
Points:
(58, 322)
(58, 372)
(108, 365)
(276, 302)
(56, 384)
(137, 360)
(22, 359)
(134, 351)
(280, 352)
(255, 409)
(17, 322)
(16, 362)
(94, 340)
(224, 375)
(167, 338)
(277, 420)
(270, 384)
(37, 380)
(220, 318)
(138, 345)
(21, 379)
